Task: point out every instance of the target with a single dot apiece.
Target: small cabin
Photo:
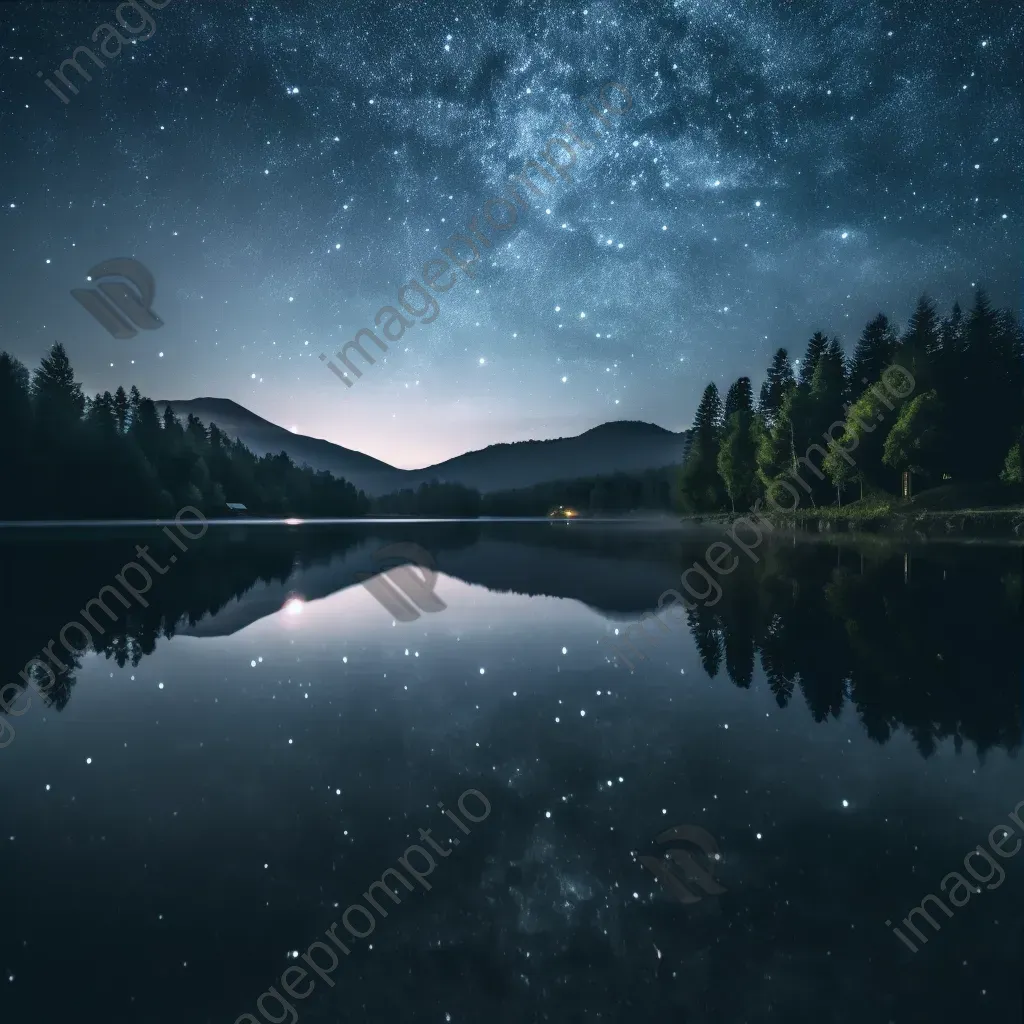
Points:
(236, 509)
(562, 512)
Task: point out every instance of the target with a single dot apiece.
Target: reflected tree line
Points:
(924, 642)
(45, 588)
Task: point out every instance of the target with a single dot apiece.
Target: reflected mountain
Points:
(925, 639)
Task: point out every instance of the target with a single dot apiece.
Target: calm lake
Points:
(223, 773)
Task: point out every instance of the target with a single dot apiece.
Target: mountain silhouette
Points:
(623, 446)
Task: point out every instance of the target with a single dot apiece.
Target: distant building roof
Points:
(235, 507)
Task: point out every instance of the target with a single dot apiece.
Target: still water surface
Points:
(225, 771)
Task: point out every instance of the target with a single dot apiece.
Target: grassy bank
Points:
(947, 511)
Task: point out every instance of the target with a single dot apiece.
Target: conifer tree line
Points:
(66, 456)
(837, 429)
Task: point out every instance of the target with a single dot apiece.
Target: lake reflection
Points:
(229, 769)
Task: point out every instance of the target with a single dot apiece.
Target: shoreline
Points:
(956, 524)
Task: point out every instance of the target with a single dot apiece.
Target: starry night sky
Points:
(284, 167)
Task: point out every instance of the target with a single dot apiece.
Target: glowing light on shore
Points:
(294, 605)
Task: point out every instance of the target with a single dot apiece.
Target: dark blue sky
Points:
(283, 169)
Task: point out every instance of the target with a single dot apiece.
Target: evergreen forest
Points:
(940, 404)
(112, 456)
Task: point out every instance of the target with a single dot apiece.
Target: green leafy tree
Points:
(857, 454)
(818, 407)
(737, 459)
(1013, 467)
(912, 444)
(776, 444)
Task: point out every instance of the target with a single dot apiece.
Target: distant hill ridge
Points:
(629, 446)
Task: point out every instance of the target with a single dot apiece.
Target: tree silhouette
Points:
(874, 352)
(113, 456)
(740, 396)
(777, 382)
(700, 488)
(815, 347)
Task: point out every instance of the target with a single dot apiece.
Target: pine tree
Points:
(829, 381)
(145, 428)
(707, 422)
(57, 396)
(196, 432)
(134, 404)
(953, 330)
(991, 390)
(815, 347)
(121, 410)
(100, 415)
(778, 381)
(15, 403)
(948, 369)
(920, 344)
(700, 488)
(874, 352)
(15, 430)
(739, 396)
